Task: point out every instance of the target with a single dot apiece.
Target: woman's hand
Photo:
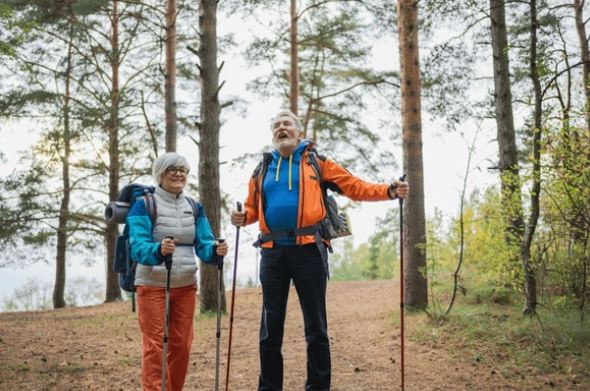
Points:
(222, 248)
(168, 246)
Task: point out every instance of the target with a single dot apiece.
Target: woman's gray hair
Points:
(163, 162)
(287, 113)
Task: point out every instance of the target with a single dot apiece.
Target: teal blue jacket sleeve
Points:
(204, 239)
(143, 249)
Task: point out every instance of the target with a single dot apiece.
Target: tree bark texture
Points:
(584, 56)
(530, 282)
(294, 76)
(62, 228)
(113, 292)
(508, 155)
(209, 189)
(581, 237)
(414, 245)
(170, 76)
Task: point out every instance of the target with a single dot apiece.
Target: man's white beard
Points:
(286, 146)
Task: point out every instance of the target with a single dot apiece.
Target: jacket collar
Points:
(167, 196)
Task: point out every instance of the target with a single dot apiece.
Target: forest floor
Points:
(98, 348)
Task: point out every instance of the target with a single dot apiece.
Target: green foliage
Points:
(447, 73)
(6, 48)
(374, 260)
(487, 256)
(556, 342)
(334, 88)
(346, 264)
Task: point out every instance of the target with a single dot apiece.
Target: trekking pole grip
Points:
(168, 258)
(402, 179)
(219, 258)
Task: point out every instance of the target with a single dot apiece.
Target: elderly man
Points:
(285, 197)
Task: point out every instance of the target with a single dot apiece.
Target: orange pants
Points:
(151, 306)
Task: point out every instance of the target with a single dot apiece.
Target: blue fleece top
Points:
(147, 252)
(281, 192)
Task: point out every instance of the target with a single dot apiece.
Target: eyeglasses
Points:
(177, 171)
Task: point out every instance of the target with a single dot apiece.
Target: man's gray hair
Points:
(290, 114)
(163, 162)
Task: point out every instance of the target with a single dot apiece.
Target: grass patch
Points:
(555, 342)
(208, 315)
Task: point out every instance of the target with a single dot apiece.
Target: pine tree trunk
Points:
(414, 245)
(62, 228)
(530, 282)
(113, 292)
(209, 190)
(170, 76)
(508, 156)
(294, 79)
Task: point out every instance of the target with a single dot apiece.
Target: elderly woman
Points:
(175, 232)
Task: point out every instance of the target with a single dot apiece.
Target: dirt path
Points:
(98, 348)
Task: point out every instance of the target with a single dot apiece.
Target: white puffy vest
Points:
(174, 218)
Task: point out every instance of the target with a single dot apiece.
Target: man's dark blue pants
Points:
(303, 265)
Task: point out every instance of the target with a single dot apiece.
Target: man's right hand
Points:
(238, 218)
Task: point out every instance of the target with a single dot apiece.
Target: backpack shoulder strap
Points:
(150, 204)
(261, 168)
(312, 159)
(194, 205)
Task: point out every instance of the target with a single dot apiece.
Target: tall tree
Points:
(530, 284)
(334, 85)
(294, 74)
(113, 292)
(170, 76)
(209, 189)
(508, 154)
(584, 55)
(414, 245)
(64, 210)
(51, 29)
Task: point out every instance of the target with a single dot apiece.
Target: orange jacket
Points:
(311, 205)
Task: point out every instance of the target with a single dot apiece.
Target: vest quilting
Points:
(174, 218)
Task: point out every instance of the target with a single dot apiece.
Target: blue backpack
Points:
(116, 211)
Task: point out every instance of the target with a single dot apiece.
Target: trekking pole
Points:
(218, 332)
(168, 264)
(233, 296)
(401, 279)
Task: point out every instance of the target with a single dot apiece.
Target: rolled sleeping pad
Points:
(116, 212)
